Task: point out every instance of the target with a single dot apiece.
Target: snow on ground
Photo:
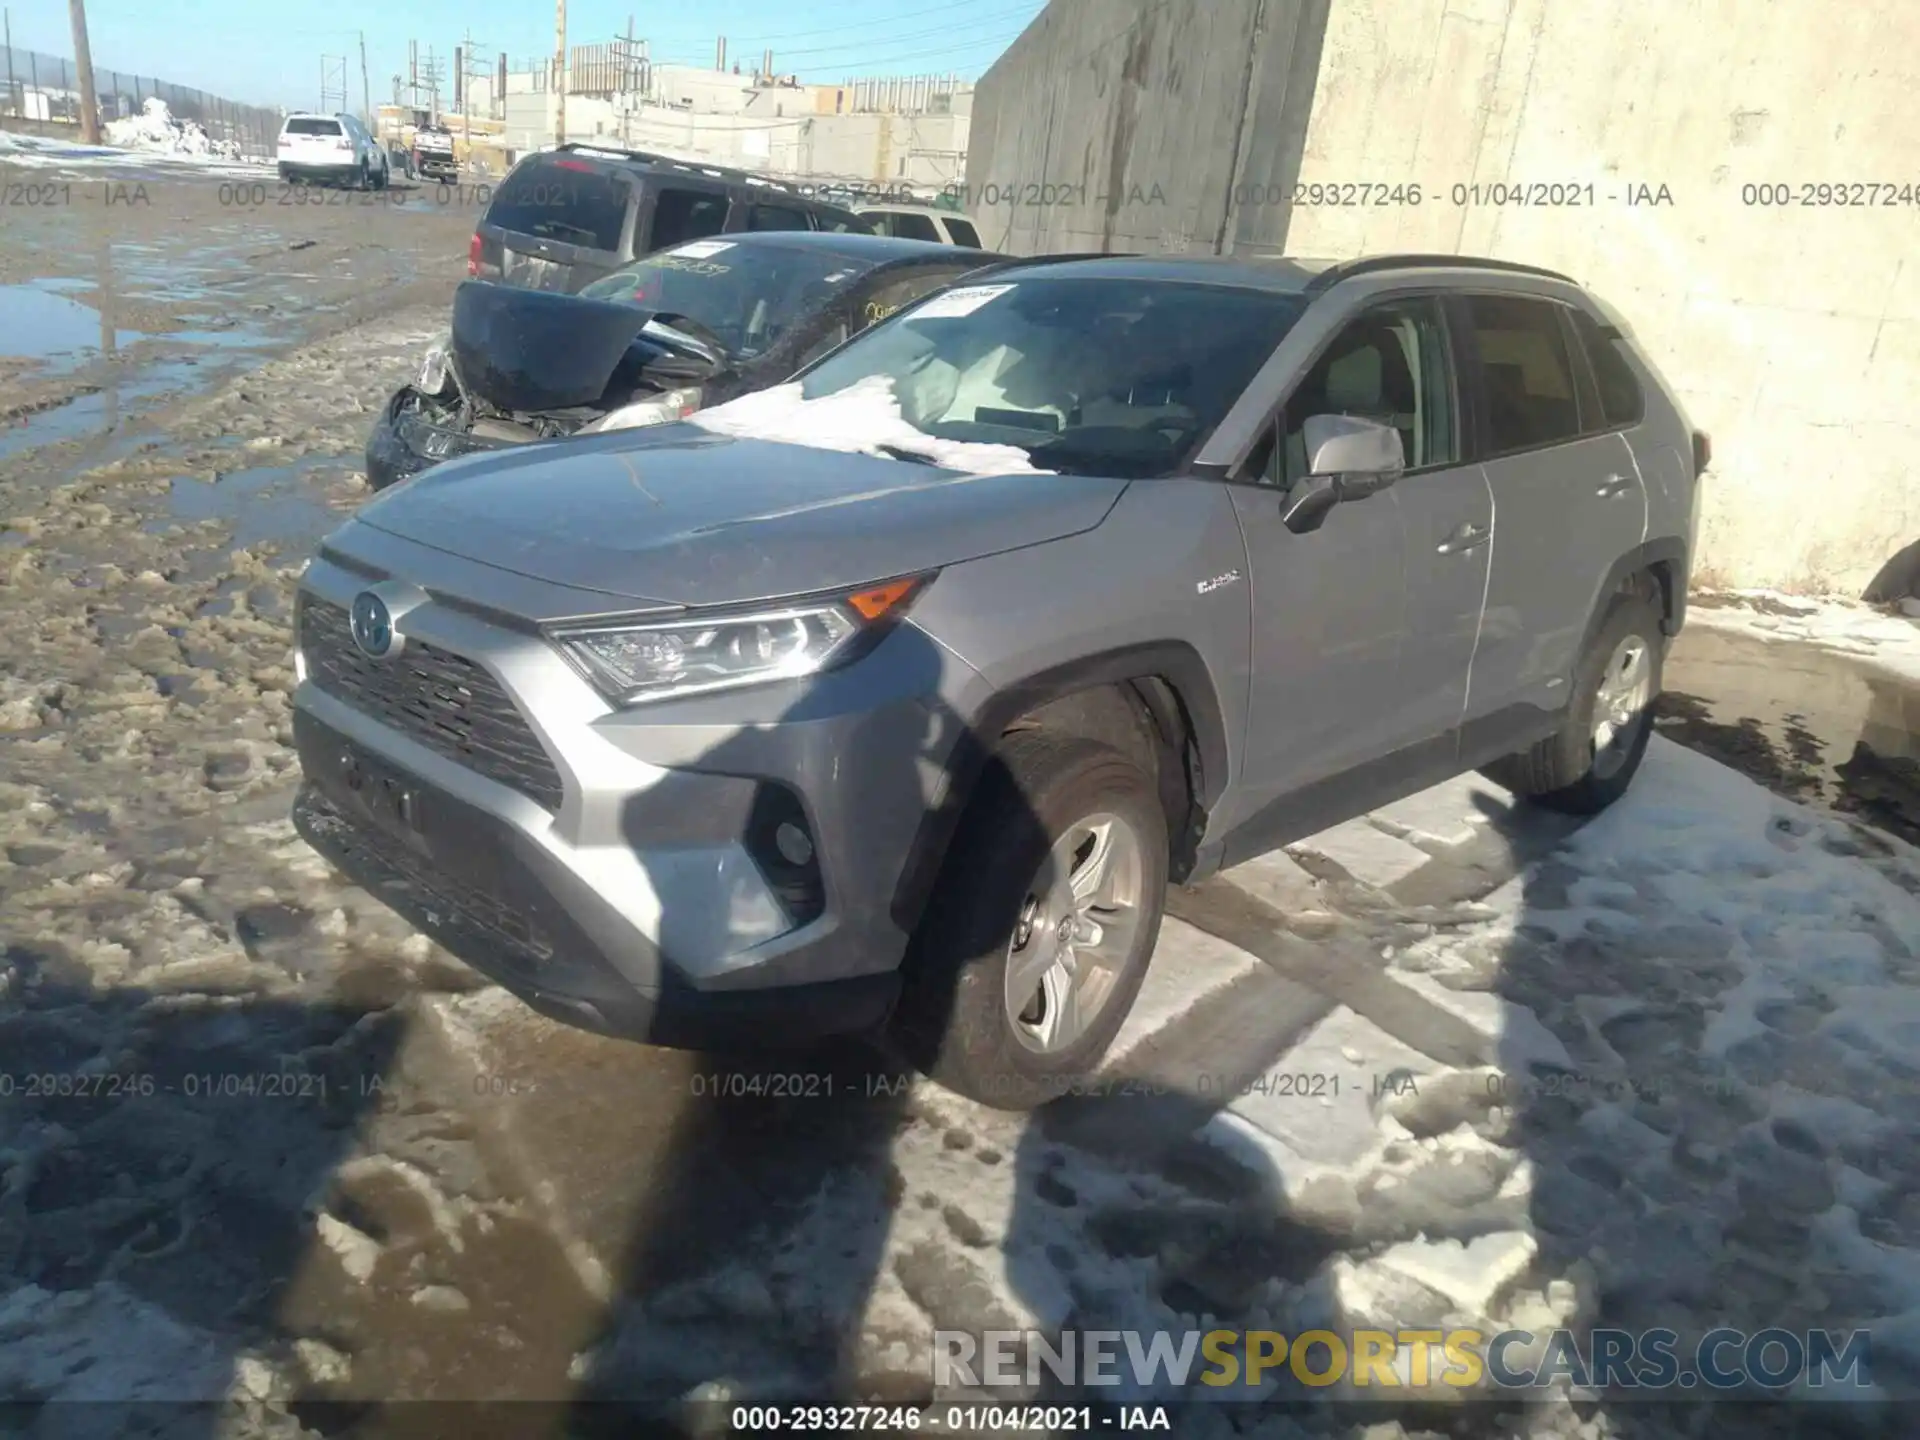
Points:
(45, 153)
(1845, 627)
(863, 418)
(1700, 1022)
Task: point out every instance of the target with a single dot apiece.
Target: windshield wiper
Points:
(899, 452)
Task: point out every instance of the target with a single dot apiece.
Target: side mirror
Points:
(1347, 459)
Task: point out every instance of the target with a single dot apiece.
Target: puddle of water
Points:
(1805, 722)
(104, 412)
(266, 503)
(39, 323)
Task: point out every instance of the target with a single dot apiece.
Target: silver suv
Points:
(893, 698)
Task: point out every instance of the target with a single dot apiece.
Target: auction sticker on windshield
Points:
(701, 249)
(964, 301)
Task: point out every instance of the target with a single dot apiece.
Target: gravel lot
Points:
(261, 1144)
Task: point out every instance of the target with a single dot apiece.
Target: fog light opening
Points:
(793, 843)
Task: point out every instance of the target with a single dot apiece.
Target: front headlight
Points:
(661, 409)
(631, 662)
(432, 378)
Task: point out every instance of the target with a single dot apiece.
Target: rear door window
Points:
(313, 127)
(563, 200)
(1621, 402)
(909, 226)
(680, 215)
(1525, 371)
(963, 232)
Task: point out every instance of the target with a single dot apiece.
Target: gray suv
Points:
(890, 700)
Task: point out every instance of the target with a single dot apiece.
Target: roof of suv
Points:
(1283, 274)
(646, 161)
(856, 246)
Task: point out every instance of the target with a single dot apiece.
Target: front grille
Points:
(443, 700)
(451, 905)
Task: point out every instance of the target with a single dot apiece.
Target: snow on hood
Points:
(155, 130)
(860, 419)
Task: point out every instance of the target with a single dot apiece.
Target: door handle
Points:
(1467, 537)
(1613, 485)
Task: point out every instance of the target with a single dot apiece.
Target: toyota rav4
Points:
(892, 698)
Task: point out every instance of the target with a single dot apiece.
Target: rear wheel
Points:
(1589, 763)
(1038, 936)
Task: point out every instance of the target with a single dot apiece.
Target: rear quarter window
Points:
(963, 233)
(1621, 400)
(555, 201)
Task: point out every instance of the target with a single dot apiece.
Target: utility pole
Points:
(366, 95)
(629, 82)
(463, 90)
(83, 64)
(559, 71)
(6, 19)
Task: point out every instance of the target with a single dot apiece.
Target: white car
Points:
(331, 147)
(921, 222)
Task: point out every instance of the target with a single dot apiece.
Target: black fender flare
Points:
(1174, 662)
(1669, 551)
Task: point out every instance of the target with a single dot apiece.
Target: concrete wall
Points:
(1127, 124)
(1792, 332)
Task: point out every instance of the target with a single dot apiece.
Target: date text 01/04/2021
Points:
(956, 1419)
(1354, 194)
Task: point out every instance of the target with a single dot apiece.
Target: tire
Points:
(955, 1019)
(380, 180)
(1570, 771)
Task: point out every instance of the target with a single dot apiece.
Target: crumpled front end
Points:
(414, 433)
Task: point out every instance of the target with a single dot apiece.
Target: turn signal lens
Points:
(875, 603)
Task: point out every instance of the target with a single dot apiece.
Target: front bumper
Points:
(633, 895)
(403, 442)
(480, 890)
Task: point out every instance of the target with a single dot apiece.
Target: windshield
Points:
(746, 295)
(1100, 376)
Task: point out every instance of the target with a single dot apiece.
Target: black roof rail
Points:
(690, 167)
(1368, 264)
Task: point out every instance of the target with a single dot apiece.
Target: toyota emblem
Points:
(372, 625)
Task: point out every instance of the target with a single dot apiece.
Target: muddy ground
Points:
(258, 1139)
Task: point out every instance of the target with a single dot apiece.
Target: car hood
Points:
(680, 516)
(533, 350)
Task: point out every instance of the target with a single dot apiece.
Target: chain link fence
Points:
(41, 93)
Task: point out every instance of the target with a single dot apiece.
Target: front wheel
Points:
(1038, 935)
(1590, 761)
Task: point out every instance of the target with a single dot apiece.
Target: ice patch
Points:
(861, 420)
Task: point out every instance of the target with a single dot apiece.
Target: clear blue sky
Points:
(261, 52)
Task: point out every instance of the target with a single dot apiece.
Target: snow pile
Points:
(860, 419)
(1843, 627)
(156, 130)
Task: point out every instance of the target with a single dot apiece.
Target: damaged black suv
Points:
(680, 330)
